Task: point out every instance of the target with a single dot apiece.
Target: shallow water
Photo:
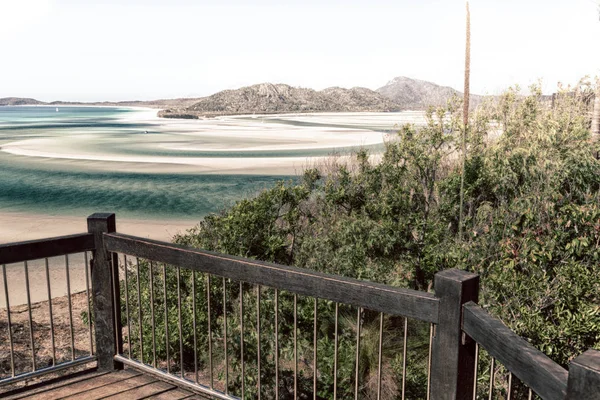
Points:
(80, 160)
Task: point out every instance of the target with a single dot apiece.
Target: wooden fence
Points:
(459, 328)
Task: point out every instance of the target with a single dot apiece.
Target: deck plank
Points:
(142, 392)
(40, 387)
(124, 384)
(69, 388)
(117, 388)
(174, 394)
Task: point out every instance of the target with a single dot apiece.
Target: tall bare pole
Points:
(596, 110)
(465, 120)
(596, 114)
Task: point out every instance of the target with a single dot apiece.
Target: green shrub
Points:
(531, 230)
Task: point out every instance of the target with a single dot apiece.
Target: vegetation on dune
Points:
(531, 230)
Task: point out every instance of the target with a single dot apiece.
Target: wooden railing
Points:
(22, 253)
(460, 330)
(527, 363)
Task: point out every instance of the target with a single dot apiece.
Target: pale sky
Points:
(148, 49)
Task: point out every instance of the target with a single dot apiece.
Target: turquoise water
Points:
(132, 195)
(29, 184)
(56, 184)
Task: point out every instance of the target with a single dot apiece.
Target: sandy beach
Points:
(69, 156)
(20, 226)
(24, 226)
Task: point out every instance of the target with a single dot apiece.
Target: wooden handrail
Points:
(45, 248)
(388, 299)
(531, 366)
(453, 308)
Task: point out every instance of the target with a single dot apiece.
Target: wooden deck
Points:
(125, 384)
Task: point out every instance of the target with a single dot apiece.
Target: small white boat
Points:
(56, 109)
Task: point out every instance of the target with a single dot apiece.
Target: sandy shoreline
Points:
(17, 226)
(164, 151)
(20, 226)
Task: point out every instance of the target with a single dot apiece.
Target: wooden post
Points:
(584, 377)
(107, 312)
(453, 357)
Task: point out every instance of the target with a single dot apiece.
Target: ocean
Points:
(80, 160)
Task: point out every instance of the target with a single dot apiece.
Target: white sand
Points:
(212, 165)
(24, 226)
(19, 226)
(223, 134)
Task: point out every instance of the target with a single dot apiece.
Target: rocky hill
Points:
(267, 98)
(400, 93)
(18, 101)
(162, 103)
(413, 94)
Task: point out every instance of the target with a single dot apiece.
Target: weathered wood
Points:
(25, 376)
(584, 377)
(51, 247)
(531, 366)
(174, 394)
(107, 307)
(52, 384)
(121, 387)
(142, 391)
(452, 361)
(123, 384)
(78, 386)
(373, 296)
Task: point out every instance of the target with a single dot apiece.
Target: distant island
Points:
(399, 94)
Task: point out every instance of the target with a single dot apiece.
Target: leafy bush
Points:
(531, 230)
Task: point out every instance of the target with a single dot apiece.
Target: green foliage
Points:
(531, 230)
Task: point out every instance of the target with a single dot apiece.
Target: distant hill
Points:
(410, 93)
(162, 103)
(400, 93)
(18, 101)
(268, 98)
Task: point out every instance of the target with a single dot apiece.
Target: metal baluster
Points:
(380, 356)
(181, 372)
(258, 337)
(429, 361)
(225, 335)
(166, 316)
(476, 372)
(210, 359)
(87, 295)
(243, 376)
(194, 326)
(30, 318)
(404, 357)
(356, 377)
(10, 338)
(315, 351)
(492, 367)
(276, 344)
(151, 281)
(295, 346)
(51, 314)
(127, 306)
(139, 296)
(335, 352)
(116, 294)
(509, 386)
(70, 307)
